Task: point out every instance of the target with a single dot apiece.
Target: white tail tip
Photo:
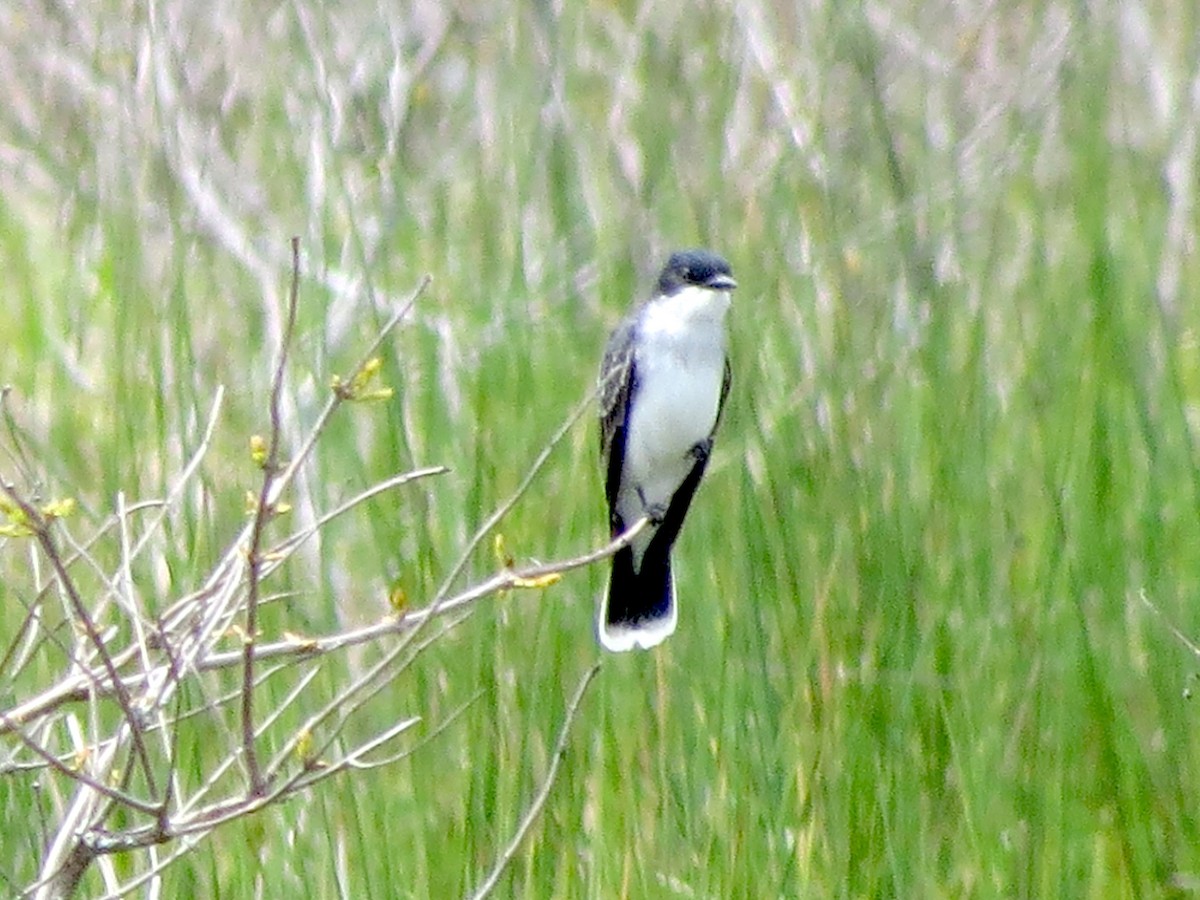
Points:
(644, 635)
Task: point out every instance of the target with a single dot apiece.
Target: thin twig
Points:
(364, 688)
(79, 775)
(431, 736)
(183, 478)
(32, 605)
(337, 398)
(41, 532)
(1179, 635)
(262, 514)
(279, 552)
(502, 510)
(535, 808)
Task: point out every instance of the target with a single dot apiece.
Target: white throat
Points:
(691, 320)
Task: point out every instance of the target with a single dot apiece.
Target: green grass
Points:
(912, 658)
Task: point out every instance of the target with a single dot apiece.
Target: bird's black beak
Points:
(721, 282)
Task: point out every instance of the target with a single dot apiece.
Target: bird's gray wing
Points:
(618, 374)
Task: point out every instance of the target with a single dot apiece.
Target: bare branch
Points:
(282, 550)
(41, 533)
(79, 775)
(535, 808)
(311, 648)
(264, 512)
(503, 509)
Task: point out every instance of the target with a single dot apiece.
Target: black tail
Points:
(639, 607)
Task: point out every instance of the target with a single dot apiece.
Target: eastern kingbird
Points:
(663, 384)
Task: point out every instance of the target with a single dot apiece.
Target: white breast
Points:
(680, 363)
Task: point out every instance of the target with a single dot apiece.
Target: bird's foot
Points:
(655, 512)
(701, 449)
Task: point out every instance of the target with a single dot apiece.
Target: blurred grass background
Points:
(913, 659)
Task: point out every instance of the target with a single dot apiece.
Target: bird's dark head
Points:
(695, 268)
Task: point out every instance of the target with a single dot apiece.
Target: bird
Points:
(663, 381)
